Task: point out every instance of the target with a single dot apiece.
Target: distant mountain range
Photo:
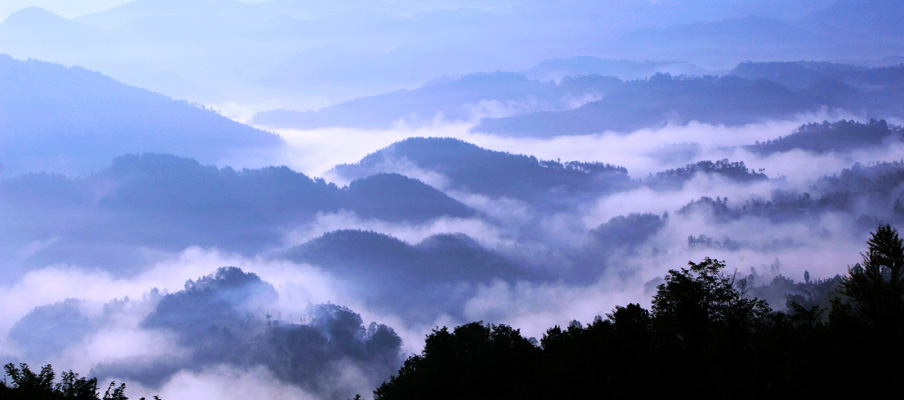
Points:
(463, 99)
(512, 104)
(558, 68)
(842, 30)
(294, 54)
(660, 100)
(71, 120)
(751, 93)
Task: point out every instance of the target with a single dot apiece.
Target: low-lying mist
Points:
(532, 255)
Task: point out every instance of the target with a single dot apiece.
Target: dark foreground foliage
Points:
(25, 384)
(702, 338)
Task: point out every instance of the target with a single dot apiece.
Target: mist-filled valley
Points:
(318, 200)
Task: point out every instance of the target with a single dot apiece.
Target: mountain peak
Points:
(32, 15)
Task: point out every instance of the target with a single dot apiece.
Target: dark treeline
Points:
(26, 384)
(674, 179)
(839, 136)
(703, 337)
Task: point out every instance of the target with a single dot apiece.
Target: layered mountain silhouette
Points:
(663, 99)
(70, 120)
(838, 30)
(464, 99)
(841, 137)
(559, 68)
(469, 168)
(875, 91)
(512, 104)
(294, 52)
(168, 202)
(365, 255)
(751, 93)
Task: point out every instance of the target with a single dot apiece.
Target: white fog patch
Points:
(226, 382)
(535, 307)
(575, 101)
(563, 230)
(502, 109)
(506, 210)
(646, 200)
(548, 234)
(401, 166)
(641, 151)
(299, 285)
(796, 166)
(799, 166)
(32, 248)
(316, 151)
(824, 247)
(56, 283)
(117, 307)
(120, 342)
(557, 229)
(483, 232)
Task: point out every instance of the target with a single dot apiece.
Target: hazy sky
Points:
(75, 8)
(775, 8)
(68, 8)
(65, 8)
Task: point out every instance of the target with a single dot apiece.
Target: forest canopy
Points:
(703, 337)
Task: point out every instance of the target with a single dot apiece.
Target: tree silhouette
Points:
(876, 287)
(703, 339)
(475, 361)
(693, 299)
(27, 385)
(872, 325)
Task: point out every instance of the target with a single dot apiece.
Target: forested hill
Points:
(675, 178)
(841, 136)
(463, 166)
(419, 281)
